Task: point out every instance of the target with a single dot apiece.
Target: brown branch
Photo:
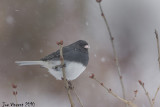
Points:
(156, 33)
(64, 74)
(112, 93)
(113, 47)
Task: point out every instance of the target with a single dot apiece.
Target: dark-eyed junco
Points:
(75, 58)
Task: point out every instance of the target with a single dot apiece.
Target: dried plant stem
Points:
(114, 50)
(115, 95)
(64, 76)
(156, 33)
(78, 98)
(153, 100)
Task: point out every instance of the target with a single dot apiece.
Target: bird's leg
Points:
(60, 66)
(64, 65)
(70, 86)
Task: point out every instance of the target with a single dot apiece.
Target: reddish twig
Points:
(135, 95)
(14, 86)
(92, 76)
(113, 47)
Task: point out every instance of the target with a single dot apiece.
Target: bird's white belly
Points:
(73, 70)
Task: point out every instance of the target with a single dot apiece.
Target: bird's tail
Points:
(21, 63)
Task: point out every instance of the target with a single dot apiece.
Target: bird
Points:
(76, 58)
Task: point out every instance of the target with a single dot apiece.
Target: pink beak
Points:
(87, 46)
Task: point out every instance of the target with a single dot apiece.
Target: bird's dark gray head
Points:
(81, 45)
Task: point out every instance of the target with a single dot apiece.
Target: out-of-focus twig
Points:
(113, 47)
(135, 95)
(64, 74)
(153, 100)
(112, 93)
(78, 98)
(157, 38)
(14, 86)
(146, 92)
(156, 33)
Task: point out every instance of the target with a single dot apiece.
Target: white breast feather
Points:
(73, 70)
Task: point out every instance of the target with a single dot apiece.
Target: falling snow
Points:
(103, 59)
(22, 49)
(86, 23)
(26, 46)
(17, 10)
(41, 50)
(10, 20)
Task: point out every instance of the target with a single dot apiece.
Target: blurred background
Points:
(29, 30)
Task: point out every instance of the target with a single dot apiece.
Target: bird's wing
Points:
(52, 56)
(56, 55)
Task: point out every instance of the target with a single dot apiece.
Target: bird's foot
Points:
(57, 67)
(70, 86)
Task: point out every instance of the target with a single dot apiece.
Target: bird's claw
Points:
(70, 86)
(59, 66)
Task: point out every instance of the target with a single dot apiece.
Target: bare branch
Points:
(113, 47)
(14, 86)
(64, 74)
(112, 93)
(135, 95)
(146, 92)
(156, 33)
(78, 98)
(153, 100)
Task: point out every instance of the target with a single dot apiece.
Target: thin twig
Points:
(153, 100)
(78, 98)
(16, 99)
(14, 86)
(135, 95)
(156, 33)
(146, 92)
(113, 47)
(64, 74)
(157, 38)
(112, 93)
